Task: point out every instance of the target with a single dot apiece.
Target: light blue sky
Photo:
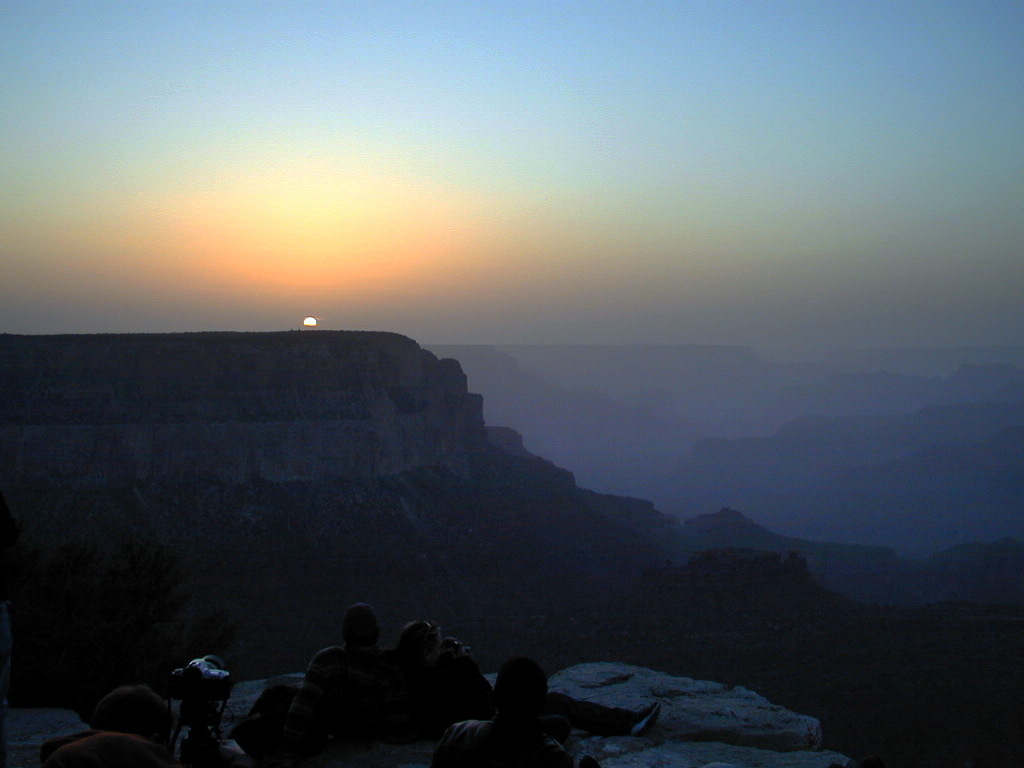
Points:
(768, 173)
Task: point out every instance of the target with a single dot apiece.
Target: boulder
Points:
(702, 724)
(693, 710)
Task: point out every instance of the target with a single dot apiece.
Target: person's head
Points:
(136, 709)
(521, 688)
(359, 627)
(419, 644)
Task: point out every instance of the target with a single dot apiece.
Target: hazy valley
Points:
(917, 450)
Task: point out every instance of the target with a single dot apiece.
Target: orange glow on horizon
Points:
(356, 235)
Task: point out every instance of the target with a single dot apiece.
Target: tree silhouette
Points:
(87, 619)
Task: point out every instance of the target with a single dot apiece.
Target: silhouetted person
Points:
(445, 686)
(130, 709)
(111, 749)
(8, 538)
(514, 738)
(350, 692)
(130, 726)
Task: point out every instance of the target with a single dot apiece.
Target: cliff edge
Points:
(108, 410)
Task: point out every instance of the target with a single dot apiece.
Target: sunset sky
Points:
(777, 174)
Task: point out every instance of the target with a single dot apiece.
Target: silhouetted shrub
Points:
(87, 619)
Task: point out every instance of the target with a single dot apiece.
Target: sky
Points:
(775, 174)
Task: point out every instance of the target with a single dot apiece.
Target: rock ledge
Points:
(702, 724)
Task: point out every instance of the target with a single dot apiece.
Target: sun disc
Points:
(309, 322)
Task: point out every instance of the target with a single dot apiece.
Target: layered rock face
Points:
(102, 411)
(291, 471)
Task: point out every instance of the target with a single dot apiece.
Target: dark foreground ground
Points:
(934, 687)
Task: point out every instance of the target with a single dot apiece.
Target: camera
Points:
(451, 646)
(203, 679)
(203, 687)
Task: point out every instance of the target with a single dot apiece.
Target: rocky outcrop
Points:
(732, 568)
(693, 710)
(102, 411)
(725, 520)
(508, 440)
(979, 572)
(701, 723)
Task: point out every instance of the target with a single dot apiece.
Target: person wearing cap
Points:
(445, 686)
(350, 692)
(515, 737)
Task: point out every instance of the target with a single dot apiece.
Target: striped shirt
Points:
(348, 693)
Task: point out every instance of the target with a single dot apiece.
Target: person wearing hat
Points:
(350, 692)
(515, 738)
(445, 686)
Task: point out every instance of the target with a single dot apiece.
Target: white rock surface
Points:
(693, 710)
(702, 725)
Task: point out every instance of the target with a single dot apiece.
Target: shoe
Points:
(645, 719)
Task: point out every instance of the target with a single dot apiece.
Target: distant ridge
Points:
(978, 572)
(801, 441)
